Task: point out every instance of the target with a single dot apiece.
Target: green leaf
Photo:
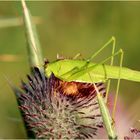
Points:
(34, 49)
(16, 21)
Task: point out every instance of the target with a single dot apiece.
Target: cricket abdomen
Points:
(80, 71)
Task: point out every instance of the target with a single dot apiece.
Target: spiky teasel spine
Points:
(135, 134)
(49, 112)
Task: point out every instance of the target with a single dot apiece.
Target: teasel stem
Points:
(33, 47)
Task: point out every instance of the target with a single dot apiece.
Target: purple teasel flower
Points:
(134, 134)
(55, 109)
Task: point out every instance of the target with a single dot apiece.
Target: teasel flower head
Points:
(55, 109)
(134, 134)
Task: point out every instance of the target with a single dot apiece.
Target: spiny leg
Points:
(60, 57)
(76, 72)
(111, 40)
(107, 120)
(111, 63)
(119, 73)
(93, 56)
(77, 55)
(73, 71)
(118, 84)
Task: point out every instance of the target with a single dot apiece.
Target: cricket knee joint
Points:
(113, 38)
(121, 51)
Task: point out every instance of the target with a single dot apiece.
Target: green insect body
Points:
(70, 70)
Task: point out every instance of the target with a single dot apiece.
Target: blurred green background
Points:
(67, 28)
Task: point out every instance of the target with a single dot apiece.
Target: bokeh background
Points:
(67, 28)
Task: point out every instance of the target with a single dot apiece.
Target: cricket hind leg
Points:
(111, 63)
(118, 84)
(89, 69)
(111, 40)
(77, 70)
(104, 111)
(119, 78)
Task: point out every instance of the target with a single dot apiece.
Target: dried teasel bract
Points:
(135, 134)
(55, 109)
